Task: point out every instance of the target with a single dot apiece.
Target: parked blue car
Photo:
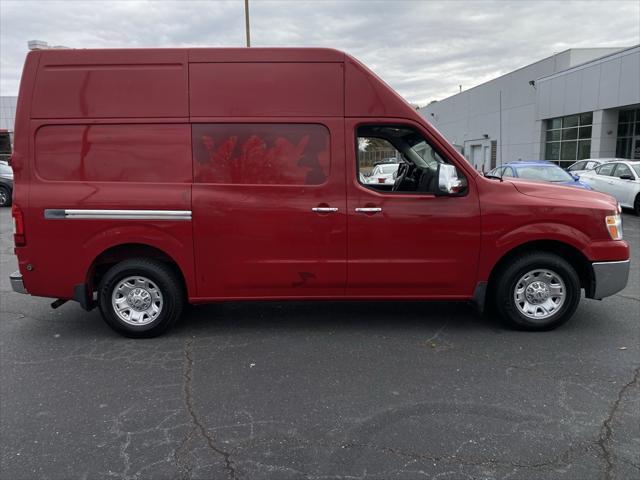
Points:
(538, 170)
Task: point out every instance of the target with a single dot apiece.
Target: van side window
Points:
(250, 154)
(395, 158)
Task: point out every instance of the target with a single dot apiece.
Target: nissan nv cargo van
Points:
(149, 178)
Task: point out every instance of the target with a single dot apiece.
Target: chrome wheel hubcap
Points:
(539, 294)
(137, 300)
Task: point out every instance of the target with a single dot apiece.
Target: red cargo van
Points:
(145, 179)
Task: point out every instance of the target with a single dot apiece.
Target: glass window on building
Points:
(628, 143)
(568, 139)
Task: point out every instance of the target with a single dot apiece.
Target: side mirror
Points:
(448, 181)
(575, 177)
(626, 176)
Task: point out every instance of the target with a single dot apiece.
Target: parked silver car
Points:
(383, 174)
(6, 184)
(620, 179)
(583, 166)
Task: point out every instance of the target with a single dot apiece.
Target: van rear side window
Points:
(114, 153)
(272, 154)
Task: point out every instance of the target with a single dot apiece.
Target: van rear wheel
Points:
(140, 297)
(537, 291)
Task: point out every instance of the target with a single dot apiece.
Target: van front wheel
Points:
(537, 291)
(140, 297)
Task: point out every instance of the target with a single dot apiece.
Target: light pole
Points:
(246, 22)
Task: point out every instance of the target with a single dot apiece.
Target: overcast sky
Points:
(424, 49)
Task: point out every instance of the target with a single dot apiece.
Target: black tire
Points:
(636, 205)
(5, 196)
(160, 278)
(507, 280)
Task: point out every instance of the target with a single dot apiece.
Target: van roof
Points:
(206, 82)
(195, 55)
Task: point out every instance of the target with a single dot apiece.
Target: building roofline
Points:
(621, 49)
(620, 53)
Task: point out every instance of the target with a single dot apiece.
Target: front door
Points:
(403, 240)
(269, 209)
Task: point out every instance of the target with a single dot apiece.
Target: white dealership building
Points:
(580, 103)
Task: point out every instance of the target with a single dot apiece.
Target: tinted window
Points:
(250, 154)
(606, 169)
(5, 143)
(577, 166)
(622, 169)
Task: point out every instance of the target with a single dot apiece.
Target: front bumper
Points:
(16, 282)
(609, 278)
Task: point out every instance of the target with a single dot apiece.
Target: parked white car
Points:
(620, 179)
(583, 166)
(383, 174)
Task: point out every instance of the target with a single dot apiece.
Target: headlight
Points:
(614, 226)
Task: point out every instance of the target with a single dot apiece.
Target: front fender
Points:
(542, 231)
(495, 248)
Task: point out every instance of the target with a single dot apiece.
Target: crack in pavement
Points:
(627, 297)
(606, 431)
(197, 425)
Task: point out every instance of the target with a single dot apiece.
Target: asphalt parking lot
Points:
(319, 391)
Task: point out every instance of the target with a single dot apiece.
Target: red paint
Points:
(250, 140)
(114, 153)
(263, 234)
(255, 89)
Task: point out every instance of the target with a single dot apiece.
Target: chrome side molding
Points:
(77, 214)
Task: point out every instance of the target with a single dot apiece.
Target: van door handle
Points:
(324, 209)
(368, 209)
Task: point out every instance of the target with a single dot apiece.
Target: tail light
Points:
(380, 179)
(18, 226)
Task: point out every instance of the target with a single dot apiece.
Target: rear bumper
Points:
(16, 283)
(609, 278)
